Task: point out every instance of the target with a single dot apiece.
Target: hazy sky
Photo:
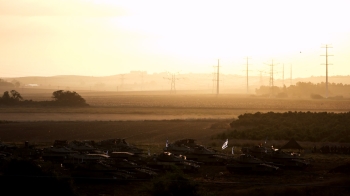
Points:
(108, 37)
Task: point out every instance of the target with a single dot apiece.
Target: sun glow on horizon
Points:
(110, 37)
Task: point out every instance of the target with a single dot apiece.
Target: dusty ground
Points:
(111, 106)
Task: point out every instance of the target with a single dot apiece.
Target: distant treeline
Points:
(306, 89)
(60, 98)
(12, 84)
(302, 126)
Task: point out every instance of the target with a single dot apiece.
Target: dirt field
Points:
(142, 132)
(111, 106)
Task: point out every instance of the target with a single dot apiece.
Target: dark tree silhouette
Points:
(61, 98)
(16, 96)
(68, 98)
(6, 96)
(11, 97)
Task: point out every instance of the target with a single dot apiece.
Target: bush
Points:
(62, 97)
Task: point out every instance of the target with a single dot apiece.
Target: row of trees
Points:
(11, 97)
(60, 98)
(14, 83)
(305, 89)
(302, 126)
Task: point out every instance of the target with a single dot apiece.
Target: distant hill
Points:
(142, 81)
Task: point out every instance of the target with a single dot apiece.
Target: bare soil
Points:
(112, 106)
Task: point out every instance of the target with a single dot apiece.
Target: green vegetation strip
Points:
(302, 126)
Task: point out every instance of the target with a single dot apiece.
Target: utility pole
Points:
(327, 46)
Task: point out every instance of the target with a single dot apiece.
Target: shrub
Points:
(68, 98)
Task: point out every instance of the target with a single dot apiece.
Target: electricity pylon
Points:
(172, 79)
(247, 70)
(327, 46)
(271, 81)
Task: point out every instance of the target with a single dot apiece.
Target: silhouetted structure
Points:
(292, 144)
(327, 46)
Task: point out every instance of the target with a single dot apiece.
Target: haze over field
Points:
(139, 81)
(106, 37)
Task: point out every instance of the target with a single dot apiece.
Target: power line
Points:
(327, 46)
